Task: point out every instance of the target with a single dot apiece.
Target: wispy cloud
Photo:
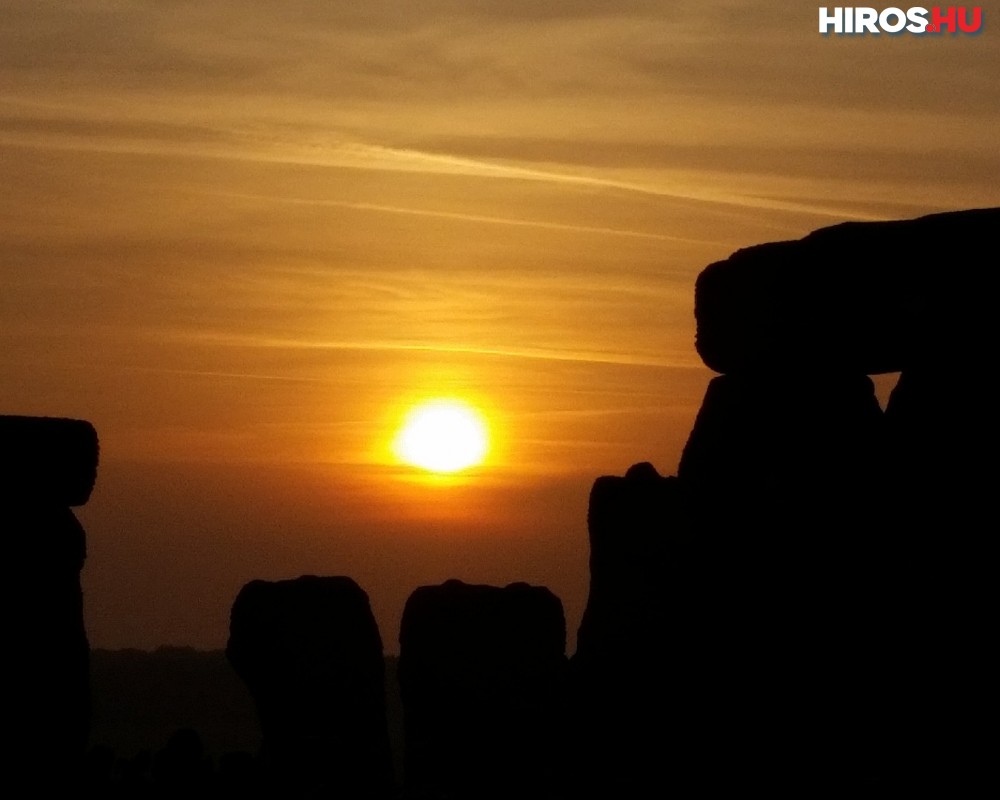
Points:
(423, 212)
(235, 340)
(686, 99)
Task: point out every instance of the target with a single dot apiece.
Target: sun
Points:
(443, 436)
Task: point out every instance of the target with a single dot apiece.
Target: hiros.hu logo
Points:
(863, 19)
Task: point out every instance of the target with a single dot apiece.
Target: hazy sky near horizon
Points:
(243, 238)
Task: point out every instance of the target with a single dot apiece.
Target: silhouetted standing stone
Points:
(787, 475)
(942, 437)
(481, 674)
(633, 523)
(310, 652)
(787, 443)
(643, 693)
(48, 464)
(732, 637)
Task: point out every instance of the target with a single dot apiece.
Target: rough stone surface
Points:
(310, 653)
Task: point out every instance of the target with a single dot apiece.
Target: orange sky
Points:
(243, 237)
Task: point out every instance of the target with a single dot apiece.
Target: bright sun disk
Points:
(442, 436)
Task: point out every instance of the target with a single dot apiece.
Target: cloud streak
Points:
(235, 340)
(692, 95)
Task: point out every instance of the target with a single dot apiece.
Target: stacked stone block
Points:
(832, 559)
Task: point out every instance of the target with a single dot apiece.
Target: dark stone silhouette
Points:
(730, 644)
(787, 473)
(181, 769)
(48, 460)
(863, 535)
(941, 437)
(310, 652)
(860, 297)
(482, 675)
(639, 690)
(48, 465)
(99, 770)
(634, 523)
(787, 443)
(791, 592)
(239, 776)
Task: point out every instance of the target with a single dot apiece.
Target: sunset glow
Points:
(247, 240)
(443, 436)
